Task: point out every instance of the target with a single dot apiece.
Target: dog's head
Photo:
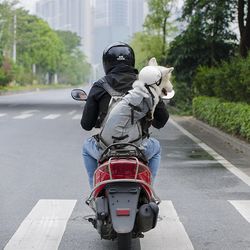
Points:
(165, 85)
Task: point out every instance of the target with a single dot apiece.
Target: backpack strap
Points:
(150, 92)
(109, 89)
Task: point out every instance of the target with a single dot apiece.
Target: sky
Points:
(29, 4)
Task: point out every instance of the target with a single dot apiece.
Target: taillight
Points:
(122, 211)
(124, 170)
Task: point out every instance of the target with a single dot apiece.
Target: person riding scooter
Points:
(120, 74)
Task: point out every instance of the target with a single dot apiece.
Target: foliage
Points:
(157, 21)
(6, 72)
(73, 68)
(37, 43)
(207, 40)
(41, 51)
(230, 80)
(145, 47)
(228, 116)
(70, 40)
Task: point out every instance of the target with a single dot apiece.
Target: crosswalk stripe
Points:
(43, 228)
(23, 116)
(169, 232)
(51, 117)
(2, 115)
(243, 207)
(77, 117)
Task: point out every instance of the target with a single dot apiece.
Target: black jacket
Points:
(120, 78)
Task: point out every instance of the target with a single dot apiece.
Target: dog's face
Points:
(165, 86)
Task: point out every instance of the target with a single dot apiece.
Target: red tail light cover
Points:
(122, 169)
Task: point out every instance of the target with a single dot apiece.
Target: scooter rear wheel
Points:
(124, 241)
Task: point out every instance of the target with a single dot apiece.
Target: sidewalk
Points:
(234, 150)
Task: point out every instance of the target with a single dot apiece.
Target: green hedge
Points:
(229, 116)
(230, 81)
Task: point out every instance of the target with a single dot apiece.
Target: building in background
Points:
(97, 22)
(114, 20)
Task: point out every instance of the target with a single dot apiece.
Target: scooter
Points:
(123, 200)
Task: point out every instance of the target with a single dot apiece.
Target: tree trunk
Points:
(164, 36)
(244, 27)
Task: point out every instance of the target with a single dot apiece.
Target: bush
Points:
(229, 116)
(230, 81)
(6, 72)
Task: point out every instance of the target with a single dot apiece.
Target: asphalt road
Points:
(205, 206)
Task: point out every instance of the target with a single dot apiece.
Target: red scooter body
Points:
(123, 199)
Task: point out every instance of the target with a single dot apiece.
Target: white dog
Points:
(160, 84)
(123, 122)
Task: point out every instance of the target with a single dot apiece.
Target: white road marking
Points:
(51, 117)
(243, 207)
(23, 116)
(169, 232)
(72, 112)
(43, 228)
(229, 166)
(77, 117)
(2, 115)
(30, 111)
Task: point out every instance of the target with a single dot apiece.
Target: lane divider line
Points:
(51, 117)
(44, 227)
(22, 116)
(77, 117)
(229, 166)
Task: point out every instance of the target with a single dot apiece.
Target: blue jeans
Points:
(92, 152)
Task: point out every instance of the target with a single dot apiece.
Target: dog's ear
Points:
(164, 71)
(170, 70)
(152, 62)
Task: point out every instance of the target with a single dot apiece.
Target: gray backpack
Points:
(122, 123)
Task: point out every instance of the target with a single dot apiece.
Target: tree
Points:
(37, 44)
(244, 26)
(73, 68)
(156, 22)
(207, 40)
(6, 41)
(212, 19)
(146, 46)
(70, 40)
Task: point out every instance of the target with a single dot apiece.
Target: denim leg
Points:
(91, 154)
(152, 151)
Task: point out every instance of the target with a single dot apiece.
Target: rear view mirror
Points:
(79, 95)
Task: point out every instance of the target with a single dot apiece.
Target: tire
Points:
(124, 241)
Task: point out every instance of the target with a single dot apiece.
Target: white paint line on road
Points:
(23, 116)
(169, 233)
(243, 207)
(43, 228)
(2, 115)
(30, 111)
(72, 112)
(51, 117)
(77, 117)
(229, 166)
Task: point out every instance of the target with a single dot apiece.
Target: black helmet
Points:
(117, 53)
